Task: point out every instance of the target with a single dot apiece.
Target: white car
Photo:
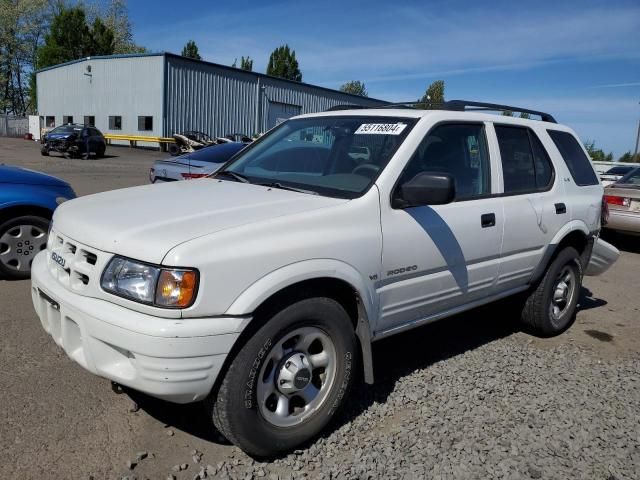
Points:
(261, 290)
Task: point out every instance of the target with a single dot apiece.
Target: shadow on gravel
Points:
(190, 418)
(393, 359)
(587, 301)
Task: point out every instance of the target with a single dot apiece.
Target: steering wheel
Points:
(366, 170)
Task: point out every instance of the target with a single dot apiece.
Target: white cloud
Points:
(618, 85)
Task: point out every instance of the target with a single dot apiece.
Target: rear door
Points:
(535, 204)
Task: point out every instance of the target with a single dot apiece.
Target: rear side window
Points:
(575, 158)
(525, 164)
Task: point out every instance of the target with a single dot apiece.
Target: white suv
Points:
(261, 289)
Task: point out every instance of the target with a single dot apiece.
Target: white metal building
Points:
(160, 94)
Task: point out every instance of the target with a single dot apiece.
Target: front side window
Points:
(337, 156)
(577, 161)
(525, 164)
(459, 150)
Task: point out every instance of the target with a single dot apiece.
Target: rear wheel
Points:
(21, 239)
(288, 379)
(100, 151)
(550, 308)
(174, 150)
(44, 152)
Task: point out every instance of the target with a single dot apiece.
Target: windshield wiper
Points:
(287, 187)
(238, 177)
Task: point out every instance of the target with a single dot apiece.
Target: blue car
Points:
(27, 202)
(72, 140)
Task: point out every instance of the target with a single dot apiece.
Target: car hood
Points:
(146, 222)
(24, 176)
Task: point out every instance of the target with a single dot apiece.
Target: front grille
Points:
(71, 263)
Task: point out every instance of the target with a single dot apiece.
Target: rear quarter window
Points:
(577, 161)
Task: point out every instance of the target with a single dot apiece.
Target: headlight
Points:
(144, 283)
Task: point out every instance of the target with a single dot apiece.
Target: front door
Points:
(437, 258)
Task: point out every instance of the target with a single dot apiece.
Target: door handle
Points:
(561, 208)
(488, 220)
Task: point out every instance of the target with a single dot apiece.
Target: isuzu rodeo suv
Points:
(261, 288)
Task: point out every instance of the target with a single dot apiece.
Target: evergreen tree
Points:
(190, 50)
(283, 64)
(355, 87)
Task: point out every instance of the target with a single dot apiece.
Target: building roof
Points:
(212, 64)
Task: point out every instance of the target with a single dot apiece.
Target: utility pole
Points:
(635, 152)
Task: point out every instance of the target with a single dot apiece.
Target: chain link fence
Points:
(13, 126)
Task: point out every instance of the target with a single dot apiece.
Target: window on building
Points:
(525, 164)
(145, 123)
(115, 122)
(89, 121)
(50, 122)
(67, 119)
(575, 158)
(458, 149)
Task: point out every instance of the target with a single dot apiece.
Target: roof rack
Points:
(462, 105)
(335, 108)
(455, 106)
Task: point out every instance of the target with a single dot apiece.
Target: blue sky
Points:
(579, 60)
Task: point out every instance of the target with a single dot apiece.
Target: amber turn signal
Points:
(176, 288)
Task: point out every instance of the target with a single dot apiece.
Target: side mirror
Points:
(426, 188)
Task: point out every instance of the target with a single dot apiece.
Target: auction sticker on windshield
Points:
(380, 129)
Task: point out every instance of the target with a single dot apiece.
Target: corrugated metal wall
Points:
(118, 86)
(180, 94)
(219, 100)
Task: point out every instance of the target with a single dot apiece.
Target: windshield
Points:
(631, 178)
(339, 156)
(618, 170)
(67, 129)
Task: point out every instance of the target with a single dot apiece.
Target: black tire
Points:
(174, 150)
(537, 315)
(44, 152)
(234, 407)
(100, 151)
(16, 271)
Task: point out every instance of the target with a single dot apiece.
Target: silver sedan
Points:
(623, 199)
(196, 164)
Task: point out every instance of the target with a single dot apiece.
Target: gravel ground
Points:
(468, 397)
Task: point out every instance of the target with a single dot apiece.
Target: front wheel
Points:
(288, 379)
(21, 239)
(550, 308)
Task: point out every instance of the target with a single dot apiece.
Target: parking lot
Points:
(469, 397)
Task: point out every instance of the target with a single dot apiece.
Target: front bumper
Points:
(173, 359)
(623, 221)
